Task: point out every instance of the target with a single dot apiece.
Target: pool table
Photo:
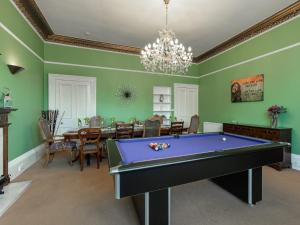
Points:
(231, 161)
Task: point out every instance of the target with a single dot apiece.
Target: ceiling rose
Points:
(166, 55)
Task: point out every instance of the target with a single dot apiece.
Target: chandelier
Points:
(166, 55)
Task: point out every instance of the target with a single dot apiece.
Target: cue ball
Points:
(223, 138)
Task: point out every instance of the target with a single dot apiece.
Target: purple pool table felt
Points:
(138, 150)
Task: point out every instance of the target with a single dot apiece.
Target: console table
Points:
(4, 125)
(265, 132)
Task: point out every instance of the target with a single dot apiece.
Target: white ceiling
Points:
(201, 24)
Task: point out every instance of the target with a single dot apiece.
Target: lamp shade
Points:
(14, 69)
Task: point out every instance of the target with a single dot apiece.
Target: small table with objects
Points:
(146, 174)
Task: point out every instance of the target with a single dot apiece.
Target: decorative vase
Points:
(161, 98)
(112, 120)
(7, 101)
(274, 120)
(79, 123)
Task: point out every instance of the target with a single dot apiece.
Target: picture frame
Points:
(248, 89)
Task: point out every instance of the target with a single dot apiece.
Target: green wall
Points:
(27, 86)
(282, 80)
(112, 70)
(20, 45)
(113, 74)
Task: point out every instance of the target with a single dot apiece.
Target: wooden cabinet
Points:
(273, 134)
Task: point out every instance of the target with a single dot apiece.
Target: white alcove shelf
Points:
(162, 102)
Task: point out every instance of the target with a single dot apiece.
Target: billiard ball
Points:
(224, 139)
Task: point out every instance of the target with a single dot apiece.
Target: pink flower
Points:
(275, 110)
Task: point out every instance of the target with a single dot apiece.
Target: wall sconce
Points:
(14, 69)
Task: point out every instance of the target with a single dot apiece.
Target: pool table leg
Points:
(246, 185)
(153, 208)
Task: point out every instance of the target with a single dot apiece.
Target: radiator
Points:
(212, 127)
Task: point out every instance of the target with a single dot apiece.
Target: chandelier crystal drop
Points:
(166, 55)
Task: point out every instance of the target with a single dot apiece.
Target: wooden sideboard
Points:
(264, 132)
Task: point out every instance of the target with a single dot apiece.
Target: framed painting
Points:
(248, 89)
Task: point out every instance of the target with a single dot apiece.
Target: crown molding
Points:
(268, 23)
(31, 11)
(92, 44)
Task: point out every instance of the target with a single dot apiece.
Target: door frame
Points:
(52, 88)
(182, 85)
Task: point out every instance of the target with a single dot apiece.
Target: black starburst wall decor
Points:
(126, 94)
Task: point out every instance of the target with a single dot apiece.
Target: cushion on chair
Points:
(57, 146)
(89, 147)
(70, 145)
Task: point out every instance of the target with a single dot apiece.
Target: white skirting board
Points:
(212, 127)
(296, 162)
(18, 165)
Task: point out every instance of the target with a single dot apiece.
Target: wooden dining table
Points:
(110, 132)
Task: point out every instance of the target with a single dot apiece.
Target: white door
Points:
(185, 102)
(74, 97)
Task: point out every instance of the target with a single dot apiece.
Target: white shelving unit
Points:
(162, 102)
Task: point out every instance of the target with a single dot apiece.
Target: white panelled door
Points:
(74, 97)
(185, 102)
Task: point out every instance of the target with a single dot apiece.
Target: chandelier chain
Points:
(166, 16)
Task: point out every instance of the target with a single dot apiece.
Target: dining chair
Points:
(176, 127)
(124, 130)
(157, 117)
(90, 144)
(194, 125)
(95, 121)
(151, 128)
(55, 144)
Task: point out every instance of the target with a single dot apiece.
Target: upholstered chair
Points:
(151, 128)
(124, 130)
(53, 144)
(157, 117)
(90, 144)
(194, 124)
(176, 127)
(95, 121)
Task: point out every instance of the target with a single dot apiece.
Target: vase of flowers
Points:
(79, 123)
(7, 99)
(274, 112)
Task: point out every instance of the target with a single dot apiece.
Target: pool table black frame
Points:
(238, 171)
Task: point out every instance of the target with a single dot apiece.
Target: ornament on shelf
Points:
(161, 98)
